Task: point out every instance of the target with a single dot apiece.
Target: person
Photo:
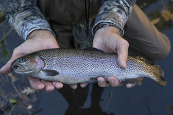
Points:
(106, 25)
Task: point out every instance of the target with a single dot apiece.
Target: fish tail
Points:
(158, 74)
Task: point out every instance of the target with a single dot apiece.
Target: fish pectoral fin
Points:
(134, 80)
(50, 72)
(91, 80)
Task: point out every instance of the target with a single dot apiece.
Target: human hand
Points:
(37, 40)
(109, 40)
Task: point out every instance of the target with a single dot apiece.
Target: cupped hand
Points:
(37, 40)
(108, 39)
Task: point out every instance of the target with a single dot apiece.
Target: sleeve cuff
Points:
(38, 24)
(102, 24)
(111, 19)
(115, 13)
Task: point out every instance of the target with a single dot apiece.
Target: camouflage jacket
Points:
(25, 16)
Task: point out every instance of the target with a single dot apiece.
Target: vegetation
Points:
(2, 17)
(14, 99)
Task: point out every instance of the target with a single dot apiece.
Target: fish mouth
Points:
(23, 72)
(20, 69)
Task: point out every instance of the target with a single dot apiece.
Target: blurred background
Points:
(18, 98)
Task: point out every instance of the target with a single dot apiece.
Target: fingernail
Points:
(129, 85)
(50, 88)
(123, 65)
(57, 85)
(74, 86)
(83, 85)
(112, 82)
(101, 82)
(40, 86)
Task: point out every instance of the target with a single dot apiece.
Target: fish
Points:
(73, 66)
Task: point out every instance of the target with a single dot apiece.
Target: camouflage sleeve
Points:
(24, 16)
(114, 13)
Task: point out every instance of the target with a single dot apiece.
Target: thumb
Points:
(122, 52)
(7, 67)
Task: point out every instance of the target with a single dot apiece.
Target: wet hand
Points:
(109, 40)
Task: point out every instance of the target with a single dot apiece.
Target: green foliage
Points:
(13, 101)
(12, 109)
(2, 17)
(4, 49)
(162, 18)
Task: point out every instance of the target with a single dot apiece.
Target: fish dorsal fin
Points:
(50, 72)
(157, 66)
(140, 58)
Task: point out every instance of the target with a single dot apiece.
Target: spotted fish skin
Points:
(72, 66)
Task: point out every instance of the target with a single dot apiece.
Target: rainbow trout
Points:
(72, 66)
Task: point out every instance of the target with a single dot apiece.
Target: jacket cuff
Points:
(114, 13)
(111, 19)
(28, 27)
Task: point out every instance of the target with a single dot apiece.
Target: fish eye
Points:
(23, 60)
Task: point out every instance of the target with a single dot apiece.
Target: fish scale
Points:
(72, 66)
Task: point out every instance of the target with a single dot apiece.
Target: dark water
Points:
(147, 99)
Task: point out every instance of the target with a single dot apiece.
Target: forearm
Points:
(24, 16)
(114, 13)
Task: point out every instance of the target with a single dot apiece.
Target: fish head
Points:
(28, 65)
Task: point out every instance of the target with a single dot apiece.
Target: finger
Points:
(57, 85)
(130, 85)
(36, 83)
(122, 51)
(113, 81)
(102, 82)
(74, 86)
(6, 68)
(83, 85)
(48, 85)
